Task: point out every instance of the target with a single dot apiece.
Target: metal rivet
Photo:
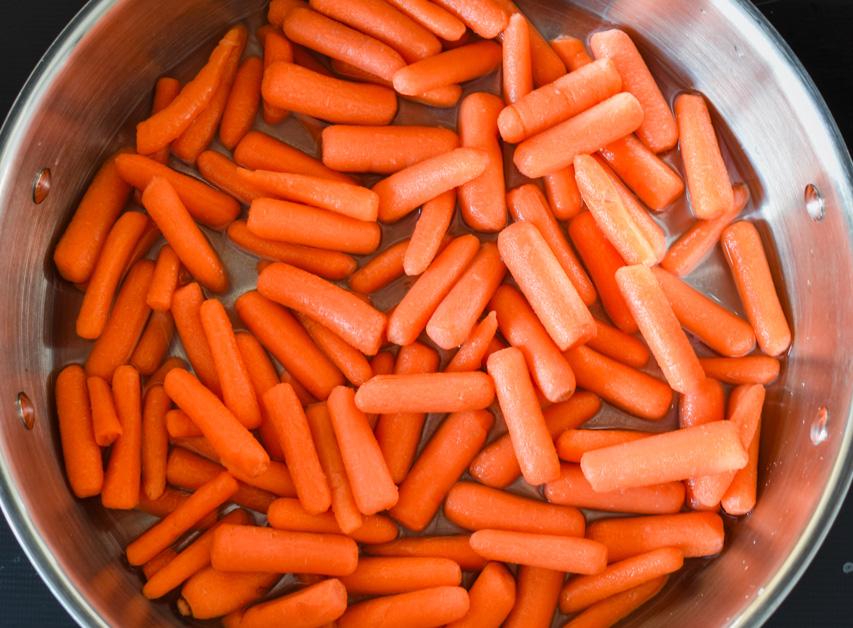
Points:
(26, 410)
(814, 202)
(820, 426)
(41, 186)
(847, 568)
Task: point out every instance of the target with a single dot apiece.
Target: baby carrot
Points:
(618, 345)
(483, 200)
(694, 533)
(517, 65)
(519, 325)
(527, 203)
(429, 233)
(457, 314)
(563, 194)
(573, 443)
(153, 343)
(278, 10)
(125, 325)
(249, 548)
(472, 352)
(432, 17)
(485, 17)
(755, 369)
(447, 68)
(456, 548)
(686, 253)
(350, 200)
(204, 203)
(711, 323)
(748, 262)
(545, 284)
(231, 440)
(573, 489)
(107, 274)
(288, 514)
(221, 172)
(157, 563)
(183, 235)
(655, 183)
(327, 264)
(561, 553)
(243, 102)
(556, 102)
(186, 306)
(625, 387)
(571, 50)
(276, 48)
(381, 270)
(316, 605)
(610, 610)
(237, 391)
(425, 608)
(441, 463)
(446, 96)
(491, 598)
(547, 65)
(180, 425)
(276, 480)
(356, 322)
(531, 441)
(704, 405)
(163, 505)
(371, 483)
(298, 89)
(79, 248)
(585, 133)
(285, 221)
(211, 593)
(671, 456)
(536, 597)
(739, 498)
(105, 423)
(426, 392)
(282, 335)
(259, 151)
(167, 125)
(497, 465)
(415, 309)
(381, 575)
(399, 434)
(83, 464)
(350, 361)
(159, 375)
(407, 189)
(659, 130)
(707, 178)
(165, 280)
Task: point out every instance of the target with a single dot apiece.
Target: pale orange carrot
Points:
(517, 63)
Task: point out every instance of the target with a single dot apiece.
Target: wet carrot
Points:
(316, 605)
(757, 369)
(485, 17)
(381, 270)
(157, 563)
(739, 498)
(180, 425)
(517, 64)
(432, 17)
(561, 553)
(243, 102)
(222, 173)
(165, 280)
(573, 443)
(424, 608)
(491, 598)
(618, 345)
(276, 48)
(655, 183)
(80, 451)
(186, 306)
(211, 593)
(472, 352)
(426, 392)
(563, 194)
(276, 479)
(260, 151)
(448, 68)
(456, 548)
(105, 423)
(163, 505)
(168, 364)
(571, 50)
(536, 597)
(153, 343)
(547, 65)
(381, 575)
(287, 513)
(165, 91)
(349, 361)
(610, 610)
(429, 233)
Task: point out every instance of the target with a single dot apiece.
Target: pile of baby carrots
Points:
(282, 430)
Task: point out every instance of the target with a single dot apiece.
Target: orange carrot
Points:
(155, 441)
(426, 392)
(563, 194)
(371, 483)
(547, 65)
(231, 440)
(739, 498)
(284, 221)
(485, 17)
(447, 68)
(356, 322)
(711, 323)
(497, 465)
(183, 235)
(491, 598)
(432, 17)
(444, 459)
(536, 597)
(186, 306)
(107, 274)
(456, 548)
(105, 423)
(160, 374)
(278, 10)
(165, 281)
(748, 262)
(545, 284)
(561, 553)
(587, 132)
(429, 233)
(276, 48)
(180, 425)
(655, 183)
(483, 200)
(399, 434)
(243, 102)
(382, 363)
(671, 456)
(163, 505)
(222, 173)
(247, 548)
(154, 342)
(756, 369)
(457, 314)
(204, 203)
(289, 343)
(415, 309)
(610, 610)
(528, 204)
(686, 253)
(556, 102)
(517, 64)
(381, 575)
(350, 361)
(571, 50)
(276, 480)
(125, 325)
(288, 514)
(619, 345)
(328, 264)
(157, 563)
(79, 248)
(694, 533)
(350, 200)
(260, 151)
(424, 608)
(316, 605)
(573, 443)
(81, 453)
(573, 489)
(122, 477)
(167, 125)
(659, 130)
(210, 593)
(472, 352)
(707, 177)
(291, 426)
(381, 270)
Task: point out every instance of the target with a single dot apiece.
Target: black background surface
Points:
(819, 32)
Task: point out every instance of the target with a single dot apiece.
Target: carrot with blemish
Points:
(243, 102)
(381, 270)
(80, 451)
(517, 63)
(105, 422)
(487, 18)
(154, 342)
(572, 51)
(429, 233)
(448, 68)
(259, 151)
(186, 306)
(165, 280)
(536, 597)
(557, 552)
(472, 352)
(123, 475)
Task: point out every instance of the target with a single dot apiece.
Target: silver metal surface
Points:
(778, 138)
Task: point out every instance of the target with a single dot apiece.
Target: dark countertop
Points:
(817, 31)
